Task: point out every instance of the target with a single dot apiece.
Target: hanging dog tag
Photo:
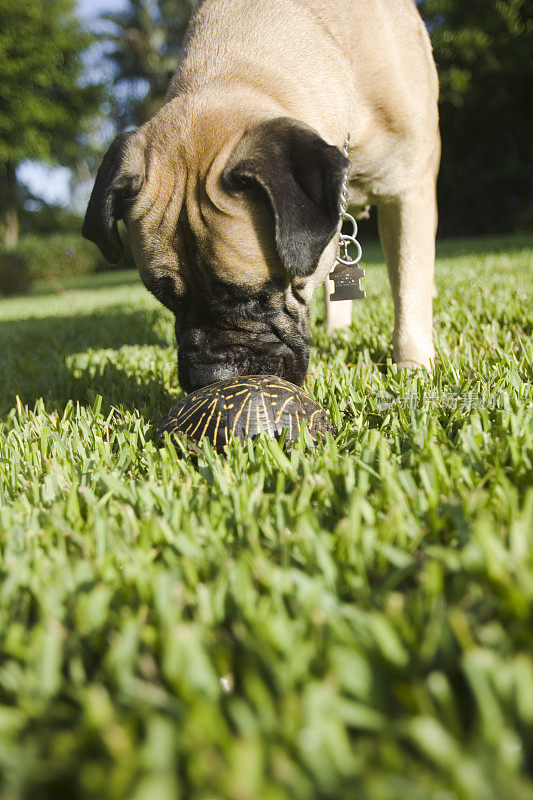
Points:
(346, 280)
(347, 272)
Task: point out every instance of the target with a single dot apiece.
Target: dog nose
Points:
(200, 376)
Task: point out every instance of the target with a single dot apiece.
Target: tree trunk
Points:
(9, 217)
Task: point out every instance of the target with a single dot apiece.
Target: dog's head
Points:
(231, 232)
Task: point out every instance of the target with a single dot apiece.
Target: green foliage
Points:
(49, 259)
(43, 106)
(145, 41)
(15, 272)
(483, 53)
(352, 621)
(42, 219)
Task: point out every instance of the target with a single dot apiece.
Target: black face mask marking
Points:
(236, 332)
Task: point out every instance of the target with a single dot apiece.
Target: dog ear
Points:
(302, 178)
(113, 188)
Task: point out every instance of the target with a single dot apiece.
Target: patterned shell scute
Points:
(245, 407)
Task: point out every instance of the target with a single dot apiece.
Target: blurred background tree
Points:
(484, 53)
(145, 41)
(45, 108)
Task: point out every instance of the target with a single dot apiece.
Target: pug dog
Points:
(231, 193)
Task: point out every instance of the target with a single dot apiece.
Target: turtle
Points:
(244, 407)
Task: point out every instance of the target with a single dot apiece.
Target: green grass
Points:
(352, 622)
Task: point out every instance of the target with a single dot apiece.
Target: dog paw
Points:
(413, 351)
(414, 358)
(411, 364)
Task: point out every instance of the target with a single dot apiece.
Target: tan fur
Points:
(358, 66)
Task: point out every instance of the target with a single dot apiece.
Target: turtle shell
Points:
(244, 407)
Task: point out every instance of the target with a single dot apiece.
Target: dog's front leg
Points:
(407, 228)
(338, 312)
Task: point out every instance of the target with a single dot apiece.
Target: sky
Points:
(52, 183)
(91, 8)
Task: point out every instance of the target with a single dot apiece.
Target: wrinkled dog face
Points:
(233, 239)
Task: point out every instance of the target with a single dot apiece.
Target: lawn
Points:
(348, 622)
